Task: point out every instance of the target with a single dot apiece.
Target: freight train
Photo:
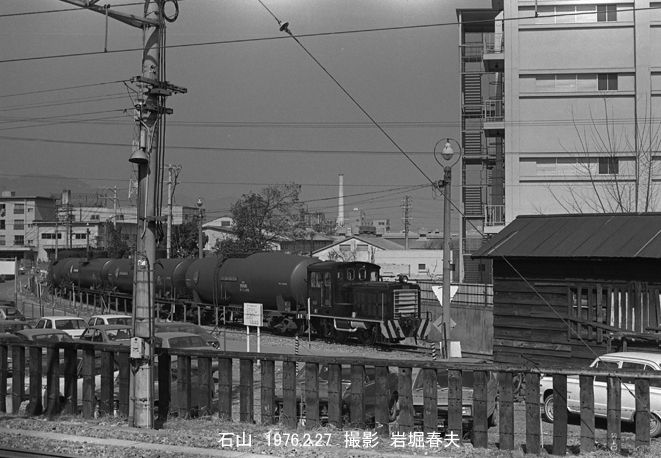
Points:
(337, 300)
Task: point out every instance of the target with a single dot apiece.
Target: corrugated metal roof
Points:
(625, 235)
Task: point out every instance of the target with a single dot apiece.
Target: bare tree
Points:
(619, 167)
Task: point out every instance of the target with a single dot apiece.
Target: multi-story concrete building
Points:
(18, 215)
(561, 109)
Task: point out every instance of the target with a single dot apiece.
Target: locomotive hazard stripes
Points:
(391, 330)
(423, 329)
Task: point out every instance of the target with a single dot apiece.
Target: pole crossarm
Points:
(130, 19)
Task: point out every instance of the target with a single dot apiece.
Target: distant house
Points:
(391, 256)
(217, 230)
(567, 287)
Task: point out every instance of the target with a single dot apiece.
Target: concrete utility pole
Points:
(173, 170)
(149, 110)
(406, 205)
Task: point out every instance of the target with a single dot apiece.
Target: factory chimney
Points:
(340, 203)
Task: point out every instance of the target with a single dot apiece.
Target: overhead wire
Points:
(308, 35)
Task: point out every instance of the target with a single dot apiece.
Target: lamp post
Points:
(200, 213)
(448, 159)
(87, 238)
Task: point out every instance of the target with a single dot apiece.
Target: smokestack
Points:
(340, 202)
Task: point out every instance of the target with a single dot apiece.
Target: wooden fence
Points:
(71, 371)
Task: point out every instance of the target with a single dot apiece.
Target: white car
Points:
(96, 320)
(631, 361)
(72, 325)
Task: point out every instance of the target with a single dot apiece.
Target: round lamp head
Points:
(447, 152)
(139, 157)
(199, 202)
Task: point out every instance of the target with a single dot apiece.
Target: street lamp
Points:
(200, 213)
(448, 159)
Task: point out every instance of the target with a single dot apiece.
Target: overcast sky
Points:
(257, 112)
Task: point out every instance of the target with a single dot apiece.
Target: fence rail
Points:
(92, 379)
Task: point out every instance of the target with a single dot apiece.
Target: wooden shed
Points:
(566, 287)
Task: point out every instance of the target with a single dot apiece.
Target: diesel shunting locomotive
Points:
(338, 300)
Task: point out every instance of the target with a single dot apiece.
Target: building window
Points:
(2, 210)
(606, 13)
(345, 247)
(2, 239)
(361, 247)
(422, 267)
(225, 223)
(19, 224)
(18, 240)
(80, 236)
(607, 81)
(94, 217)
(608, 166)
(19, 209)
(2, 225)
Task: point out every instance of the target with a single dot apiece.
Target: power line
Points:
(63, 10)
(42, 91)
(307, 35)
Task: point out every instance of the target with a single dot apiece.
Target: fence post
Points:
(533, 426)
(35, 407)
(586, 383)
(506, 410)
(357, 399)
(559, 414)
(164, 383)
(404, 390)
(335, 395)
(311, 395)
(70, 380)
(480, 409)
(288, 411)
(88, 382)
(268, 391)
(246, 412)
(4, 371)
(430, 400)
(18, 377)
(613, 414)
(225, 388)
(642, 413)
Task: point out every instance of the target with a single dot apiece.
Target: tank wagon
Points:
(338, 300)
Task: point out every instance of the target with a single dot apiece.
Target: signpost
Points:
(253, 315)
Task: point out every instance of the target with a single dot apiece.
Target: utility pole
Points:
(173, 171)
(406, 205)
(149, 110)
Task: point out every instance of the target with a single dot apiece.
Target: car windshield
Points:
(118, 334)
(10, 312)
(187, 342)
(119, 320)
(442, 379)
(70, 324)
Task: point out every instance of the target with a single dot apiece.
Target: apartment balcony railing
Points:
(494, 110)
(494, 218)
(493, 43)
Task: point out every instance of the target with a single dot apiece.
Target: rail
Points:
(206, 380)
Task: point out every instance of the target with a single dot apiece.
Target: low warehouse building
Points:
(568, 287)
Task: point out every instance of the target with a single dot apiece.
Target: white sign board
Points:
(253, 314)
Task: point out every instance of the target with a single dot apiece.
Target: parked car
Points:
(110, 319)
(177, 326)
(108, 333)
(9, 311)
(72, 325)
(323, 377)
(633, 361)
(56, 335)
(13, 325)
(442, 399)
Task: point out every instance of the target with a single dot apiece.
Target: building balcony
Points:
(493, 116)
(493, 56)
(494, 218)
